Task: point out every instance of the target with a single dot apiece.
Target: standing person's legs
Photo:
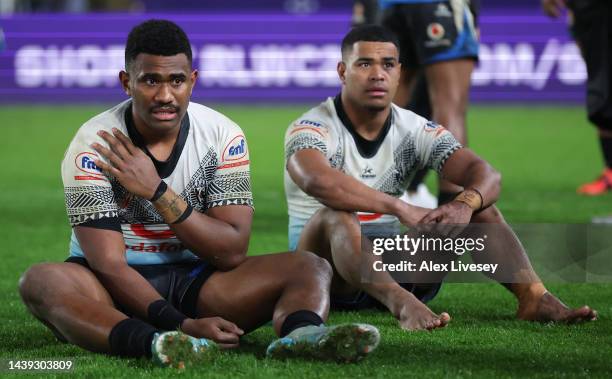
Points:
(591, 29)
(449, 86)
(440, 38)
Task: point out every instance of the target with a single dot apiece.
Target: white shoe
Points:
(421, 198)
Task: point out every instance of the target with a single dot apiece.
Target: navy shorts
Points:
(432, 32)
(179, 283)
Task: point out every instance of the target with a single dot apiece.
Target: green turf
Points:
(543, 154)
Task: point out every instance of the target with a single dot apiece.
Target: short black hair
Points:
(368, 33)
(156, 37)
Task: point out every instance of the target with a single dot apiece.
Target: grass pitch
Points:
(543, 154)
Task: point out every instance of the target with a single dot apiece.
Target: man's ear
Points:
(194, 75)
(341, 69)
(194, 79)
(124, 79)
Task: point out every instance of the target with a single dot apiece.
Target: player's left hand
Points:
(449, 219)
(128, 163)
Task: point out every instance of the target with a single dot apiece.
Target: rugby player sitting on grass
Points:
(357, 152)
(158, 194)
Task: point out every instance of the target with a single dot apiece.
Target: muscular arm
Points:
(221, 236)
(468, 170)
(311, 171)
(105, 253)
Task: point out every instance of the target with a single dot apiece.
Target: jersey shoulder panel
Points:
(315, 129)
(432, 143)
(228, 170)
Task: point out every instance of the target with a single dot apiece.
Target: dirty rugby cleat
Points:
(342, 343)
(178, 350)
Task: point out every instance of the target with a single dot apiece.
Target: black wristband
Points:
(163, 315)
(159, 192)
(185, 214)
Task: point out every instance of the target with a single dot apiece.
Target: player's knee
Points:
(333, 217)
(311, 264)
(491, 215)
(34, 282)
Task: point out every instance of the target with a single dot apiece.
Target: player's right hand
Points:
(225, 333)
(448, 220)
(409, 215)
(128, 163)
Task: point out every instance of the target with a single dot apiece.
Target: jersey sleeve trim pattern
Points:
(88, 203)
(443, 148)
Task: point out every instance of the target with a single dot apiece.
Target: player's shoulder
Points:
(408, 121)
(204, 118)
(107, 120)
(213, 128)
(320, 116)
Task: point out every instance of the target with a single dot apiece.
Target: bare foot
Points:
(547, 308)
(414, 315)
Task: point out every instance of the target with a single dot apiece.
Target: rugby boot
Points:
(341, 343)
(178, 350)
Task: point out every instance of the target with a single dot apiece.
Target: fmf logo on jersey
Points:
(308, 122)
(86, 163)
(236, 149)
(433, 127)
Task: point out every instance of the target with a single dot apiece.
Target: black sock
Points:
(299, 319)
(606, 149)
(131, 338)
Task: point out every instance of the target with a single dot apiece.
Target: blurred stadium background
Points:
(263, 63)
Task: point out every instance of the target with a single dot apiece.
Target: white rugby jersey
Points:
(208, 167)
(407, 143)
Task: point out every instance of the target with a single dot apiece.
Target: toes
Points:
(439, 322)
(581, 314)
(442, 320)
(445, 318)
(585, 313)
(588, 314)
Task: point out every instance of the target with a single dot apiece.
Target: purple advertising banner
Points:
(271, 58)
